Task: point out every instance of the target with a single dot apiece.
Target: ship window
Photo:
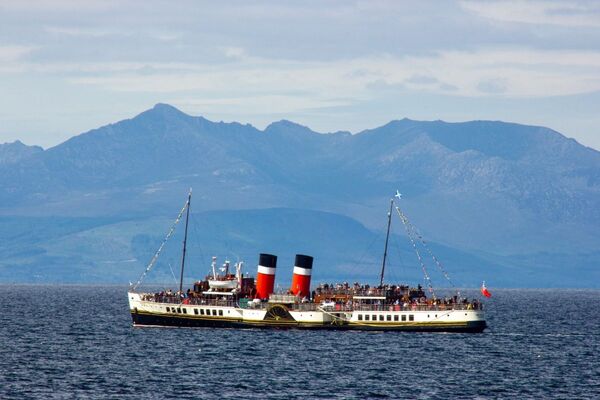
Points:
(381, 317)
(185, 310)
(395, 317)
(214, 312)
(168, 309)
(201, 311)
(427, 315)
(403, 317)
(374, 317)
(366, 317)
(360, 317)
(221, 313)
(411, 317)
(179, 310)
(196, 311)
(389, 317)
(436, 315)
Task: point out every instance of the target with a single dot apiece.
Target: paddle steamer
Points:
(227, 298)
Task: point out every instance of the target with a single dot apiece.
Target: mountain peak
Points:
(167, 109)
(164, 111)
(16, 151)
(164, 107)
(287, 126)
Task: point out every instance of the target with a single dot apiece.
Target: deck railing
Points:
(313, 306)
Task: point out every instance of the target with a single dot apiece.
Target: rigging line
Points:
(173, 274)
(412, 241)
(437, 262)
(359, 261)
(155, 257)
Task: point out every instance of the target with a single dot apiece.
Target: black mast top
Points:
(187, 217)
(387, 237)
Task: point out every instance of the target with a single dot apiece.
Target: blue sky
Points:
(70, 66)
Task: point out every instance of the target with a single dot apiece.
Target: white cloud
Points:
(252, 58)
(96, 33)
(563, 13)
(71, 31)
(44, 6)
(257, 104)
(234, 52)
(9, 54)
(479, 73)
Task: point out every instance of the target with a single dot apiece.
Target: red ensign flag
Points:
(484, 291)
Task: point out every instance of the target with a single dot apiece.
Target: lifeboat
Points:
(226, 283)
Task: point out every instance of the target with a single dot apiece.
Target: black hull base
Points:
(161, 320)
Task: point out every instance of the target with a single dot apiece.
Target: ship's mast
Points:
(187, 218)
(387, 237)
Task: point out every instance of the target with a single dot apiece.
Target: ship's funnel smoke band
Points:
(265, 277)
(302, 273)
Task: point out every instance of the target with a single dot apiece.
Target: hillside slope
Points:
(481, 187)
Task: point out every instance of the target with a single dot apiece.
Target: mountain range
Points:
(515, 205)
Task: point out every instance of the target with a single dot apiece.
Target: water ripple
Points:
(77, 342)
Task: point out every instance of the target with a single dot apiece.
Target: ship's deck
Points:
(347, 306)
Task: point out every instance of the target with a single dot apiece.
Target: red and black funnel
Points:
(265, 277)
(302, 273)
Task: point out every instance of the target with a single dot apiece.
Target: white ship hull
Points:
(152, 313)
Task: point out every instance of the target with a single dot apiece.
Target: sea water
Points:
(78, 342)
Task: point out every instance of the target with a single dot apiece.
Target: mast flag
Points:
(484, 291)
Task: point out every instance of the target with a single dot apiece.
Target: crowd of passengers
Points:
(358, 289)
(169, 296)
(401, 296)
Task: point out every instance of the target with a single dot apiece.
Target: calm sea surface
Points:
(78, 342)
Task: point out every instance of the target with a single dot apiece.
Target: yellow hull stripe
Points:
(327, 323)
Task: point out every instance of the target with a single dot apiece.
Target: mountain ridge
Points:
(489, 186)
